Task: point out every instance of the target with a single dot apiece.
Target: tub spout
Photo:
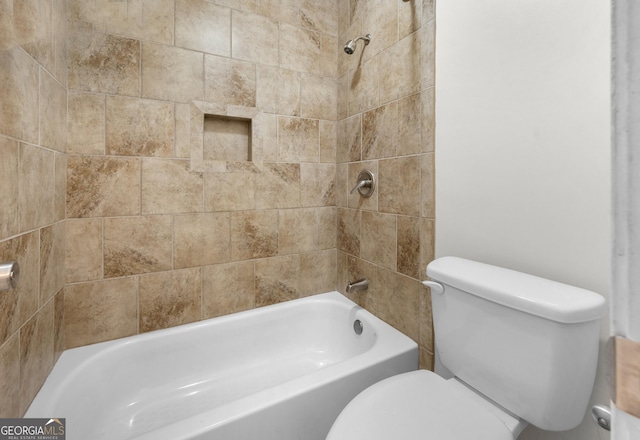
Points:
(362, 284)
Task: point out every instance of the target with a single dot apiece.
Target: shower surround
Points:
(143, 242)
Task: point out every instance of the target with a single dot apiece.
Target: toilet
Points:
(521, 350)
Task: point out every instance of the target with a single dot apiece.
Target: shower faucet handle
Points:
(366, 184)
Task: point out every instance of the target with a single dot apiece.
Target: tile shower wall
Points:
(33, 100)
(152, 244)
(386, 124)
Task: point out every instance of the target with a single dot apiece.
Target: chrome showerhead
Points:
(350, 46)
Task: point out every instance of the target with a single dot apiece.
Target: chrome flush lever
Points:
(366, 184)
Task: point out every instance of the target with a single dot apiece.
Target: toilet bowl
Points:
(522, 349)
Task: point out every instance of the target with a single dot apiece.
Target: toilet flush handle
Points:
(435, 287)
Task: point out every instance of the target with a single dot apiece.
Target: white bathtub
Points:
(274, 373)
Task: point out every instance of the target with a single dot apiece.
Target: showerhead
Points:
(350, 46)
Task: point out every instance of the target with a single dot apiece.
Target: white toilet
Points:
(522, 350)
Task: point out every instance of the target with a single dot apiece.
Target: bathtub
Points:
(274, 373)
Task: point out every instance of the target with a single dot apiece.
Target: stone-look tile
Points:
(347, 63)
(168, 299)
(378, 240)
(100, 311)
(171, 73)
(342, 185)
(427, 171)
(53, 113)
(409, 17)
(428, 108)
(203, 26)
(278, 90)
(103, 63)
(319, 97)
(83, 250)
(298, 140)
(349, 231)
(318, 272)
(136, 245)
(426, 360)
(427, 51)
(327, 227)
(183, 131)
(402, 69)
(381, 15)
(328, 141)
(9, 214)
(254, 234)
(10, 378)
(352, 269)
(37, 187)
(320, 16)
(226, 139)
(297, 231)
(399, 188)
(85, 123)
(280, 10)
(52, 257)
(168, 186)
(355, 200)
(58, 325)
(139, 127)
(410, 126)
(201, 239)
(380, 132)
(228, 288)
(343, 96)
(399, 303)
(300, 49)
(19, 91)
(229, 191)
(409, 246)
(36, 354)
(427, 244)
(317, 184)
(39, 43)
(102, 186)
(344, 15)
(425, 320)
(363, 86)
(277, 280)
(60, 40)
(330, 52)
(428, 10)
(350, 139)
(228, 81)
(269, 138)
(60, 183)
(254, 38)
(17, 305)
(279, 186)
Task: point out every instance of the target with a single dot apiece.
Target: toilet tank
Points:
(527, 343)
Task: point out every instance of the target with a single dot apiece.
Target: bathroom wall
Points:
(33, 98)
(386, 124)
(523, 145)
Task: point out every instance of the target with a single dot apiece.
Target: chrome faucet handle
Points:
(361, 184)
(366, 184)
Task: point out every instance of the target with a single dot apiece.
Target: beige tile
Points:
(428, 107)
(380, 132)
(36, 354)
(139, 127)
(327, 227)
(60, 40)
(427, 171)
(58, 325)
(228, 288)
(254, 234)
(627, 375)
(277, 280)
(400, 69)
(279, 186)
(319, 97)
(254, 38)
(278, 90)
(409, 246)
(19, 92)
(201, 239)
(52, 257)
(427, 245)
(102, 186)
(399, 188)
(320, 16)
(229, 81)
(300, 49)
(103, 63)
(410, 126)
(9, 214)
(317, 184)
(298, 140)
(269, 138)
(227, 139)
(183, 131)
(39, 44)
(85, 123)
(318, 272)
(37, 187)
(342, 185)
(400, 304)
(350, 139)
(352, 269)
(297, 231)
(83, 256)
(171, 73)
(229, 191)
(349, 231)
(60, 183)
(426, 360)
(381, 20)
(168, 186)
(343, 96)
(428, 10)
(19, 304)
(169, 299)
(379, 240)
(364, 84)
(203, 26)
(10, 378)
(100, 311)
(328, 141)
(286, 11)
(330, 52)
(136, 245)
(53, 113)
(409, 17)
(425, 318)
(427, 37)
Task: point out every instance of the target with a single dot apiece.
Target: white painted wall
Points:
(523, 144)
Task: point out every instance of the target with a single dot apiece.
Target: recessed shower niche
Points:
(225, 138)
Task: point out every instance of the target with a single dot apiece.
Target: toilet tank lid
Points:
(528, 293)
